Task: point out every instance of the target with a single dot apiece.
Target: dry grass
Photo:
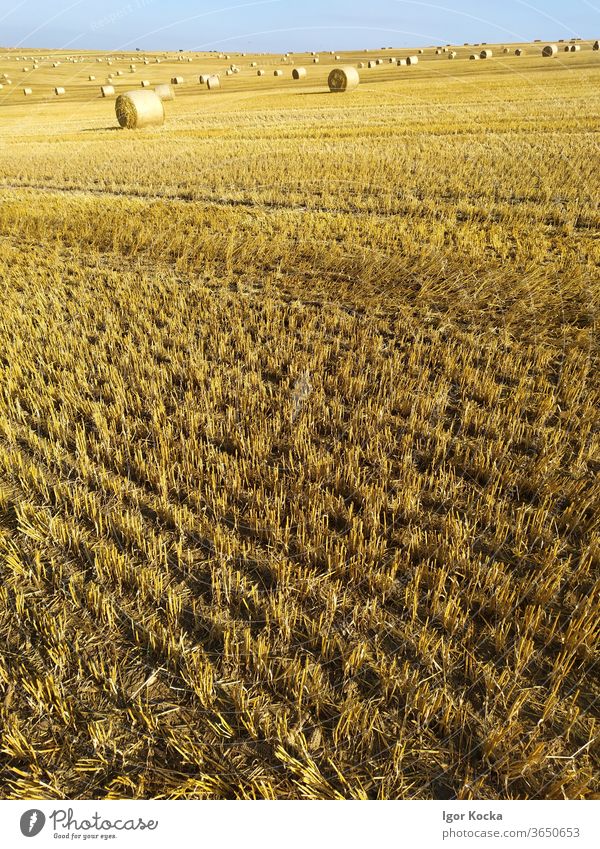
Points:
(299, 438)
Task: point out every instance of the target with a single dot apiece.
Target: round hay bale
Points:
(137, 109)
(202, 79)
(379, 61)
(452, 55)
(361, 65)
(575, 48)
(345, 78)
(486, 54)
(474, 56)
(213, 82)
(338, 58)
(316, 60)
(438, 52)
(550, 50)
(165, 92)
(107, 90)
(59, 90)
(145, 83)
(420, 51)
(519, 51)
(401, 63)
(278, 73)
(372, 63)
(299, 73)
(27, 92)
(505, 50)
(176, 80)
(260, 73)
(392, 60)
(596, 45)
(412, 60)
(228, 72)
(253, 64)
(91, 78)
(119, 73)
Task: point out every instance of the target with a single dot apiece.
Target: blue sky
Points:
(281, 25)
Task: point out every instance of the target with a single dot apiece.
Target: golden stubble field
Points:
(299, 432)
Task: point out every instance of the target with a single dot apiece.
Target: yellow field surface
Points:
(300, 430)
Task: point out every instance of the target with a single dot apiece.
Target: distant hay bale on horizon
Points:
(213, 82)
(107, 90)
(412, 60)
(345, 78)
(299, 73)
(59, 90)
(138, 109)
(486, 54)
(177, 80)
(164, 91)
(550, 50)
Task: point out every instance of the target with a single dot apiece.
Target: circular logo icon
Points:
(32, 822)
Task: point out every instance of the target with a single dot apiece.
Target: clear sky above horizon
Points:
(281, 25)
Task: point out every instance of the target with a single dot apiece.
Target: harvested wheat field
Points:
(299, 429)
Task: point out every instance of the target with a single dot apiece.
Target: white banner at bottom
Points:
(302, 824)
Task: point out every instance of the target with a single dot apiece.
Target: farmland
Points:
(300, 431)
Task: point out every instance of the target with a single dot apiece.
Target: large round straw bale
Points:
(596, 45)
(253, 64)
(119, 73)
(438, 51)
(575, 48)
(519, 51)
(145, 83)
(202, 79)
(401, 63)
(278, 73)
(452, 54)
(345, 78)
(260, 73)
(412, 60)
(228, 72)
(338, 58)
(59, 90)
(505, 50)
(165, 92)
(420, 51)
(392, 60)
(299, 73)
(27, 92)
(372, 63)
(137, 109)
(486, 54)
(550, 50)
(316, 60)
(107, 90)
(361, 65)
(213, 82)
(91, 78)
(176, 80)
